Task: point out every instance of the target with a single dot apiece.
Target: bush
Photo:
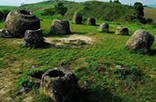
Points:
(49, 11)
(140, 9)
(60, 9)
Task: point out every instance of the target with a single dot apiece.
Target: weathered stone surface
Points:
(91, 21)
(77, 18)
(34, 38)
(1, 16)
(17, 22)
(59, 84)
(5, 34)
(140, 40)
(104, 27)
(60, 27)
(122, 31)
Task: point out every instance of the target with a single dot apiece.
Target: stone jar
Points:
(59, 84)
(18, 21)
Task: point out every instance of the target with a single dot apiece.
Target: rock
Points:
(122, 31)
(5, 34)
(59, 84)
(140, 40)
(60, 27)
(34, 38)
(104, 27)
(1, 16)
(18, 21)
(91, 21)
(77, 18)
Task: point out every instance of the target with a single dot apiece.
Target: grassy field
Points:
(7, 7)
(150, 13)
(94, 63)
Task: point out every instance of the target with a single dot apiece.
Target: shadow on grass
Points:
(48, 45)
(111, 32)
(95, 95)
(152, 52)
(81, 33)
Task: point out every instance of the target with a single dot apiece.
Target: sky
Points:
(18, 2)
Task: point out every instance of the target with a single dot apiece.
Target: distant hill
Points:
(150, 13)
(94, 9)
(152, 5)
(103, 10)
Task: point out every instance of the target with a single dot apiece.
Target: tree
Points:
(140, 9)
(110, 1)
(117, 1)
(60, 9)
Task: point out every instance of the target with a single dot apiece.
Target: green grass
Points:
(95, 63)
(8, 8)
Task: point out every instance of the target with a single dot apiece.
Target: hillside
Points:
(95, 9)
(103, 11)
(150, 13)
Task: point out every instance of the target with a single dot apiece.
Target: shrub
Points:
(140, 9)
(60, 9)
(49, 11)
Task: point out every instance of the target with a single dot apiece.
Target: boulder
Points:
(104, 27)
(140, 40)
(1, 16)
(59, 84)
(77, 18)
(122, 31)
(5, 34)
(91, 21)
(18, 21)
(34, 38)
(60, 27)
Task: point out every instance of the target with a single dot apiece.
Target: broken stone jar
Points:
(59, 84)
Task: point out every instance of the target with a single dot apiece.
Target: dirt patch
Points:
(71, 39)
(9, 77)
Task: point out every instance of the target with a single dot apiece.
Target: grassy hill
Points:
(103, 11)
(150, 13)
(95, 9)
(95, 65)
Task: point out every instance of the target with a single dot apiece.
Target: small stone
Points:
(91, 21)
(140, 40)
(104, 27)
(120, 67)
(34, 38)
(60, 27)
(77, 18)
(122, 31)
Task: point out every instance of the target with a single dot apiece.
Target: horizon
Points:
(19, 2)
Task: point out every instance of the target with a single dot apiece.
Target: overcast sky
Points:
(18, 2)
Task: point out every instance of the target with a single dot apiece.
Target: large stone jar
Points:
(60, 27)
(18, 21)
(140, 40)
